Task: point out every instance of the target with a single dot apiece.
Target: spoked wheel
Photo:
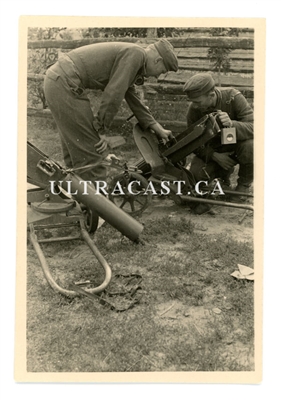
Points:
(90, 217)
(132, 199)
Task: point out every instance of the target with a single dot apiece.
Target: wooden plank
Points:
(172, 86)
(46, 113)
(234, 42)
(183, 76)
(207, 65)
(201, 52)
(173, 89)
(238, 66)
(73, 44)
(172, 82)
(35, 77)
(115, 141)
(230, 42)
(42, 113)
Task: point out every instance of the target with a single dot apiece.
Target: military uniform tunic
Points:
(240, 112)
(111, 67)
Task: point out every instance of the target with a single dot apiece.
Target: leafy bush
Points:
(37, 63)
(224, 31)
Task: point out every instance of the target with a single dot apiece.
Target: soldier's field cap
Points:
(198, 85)
(166, 51)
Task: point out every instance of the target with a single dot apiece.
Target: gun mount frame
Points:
(165, 163)
(47, 210)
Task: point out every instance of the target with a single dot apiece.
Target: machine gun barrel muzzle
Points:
(105, 209)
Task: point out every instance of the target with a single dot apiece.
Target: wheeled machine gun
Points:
(47, 209)
(56, 209)
(165, 163)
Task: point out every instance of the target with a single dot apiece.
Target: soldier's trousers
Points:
(243, 151)
(70, 107)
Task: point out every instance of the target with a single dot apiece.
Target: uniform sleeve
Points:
(244, 118)
(140, 111)
(204, 152)
(123, 73)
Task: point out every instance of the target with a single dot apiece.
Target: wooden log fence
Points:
(232, 42)
(192, 53)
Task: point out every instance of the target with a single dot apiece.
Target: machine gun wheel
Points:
(91, 219)
(132, 199)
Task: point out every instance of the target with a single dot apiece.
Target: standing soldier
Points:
(115, 68)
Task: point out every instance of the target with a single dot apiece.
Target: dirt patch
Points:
(223, 220)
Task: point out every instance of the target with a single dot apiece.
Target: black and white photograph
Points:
(142, 200)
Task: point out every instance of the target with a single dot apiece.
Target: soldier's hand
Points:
(164, 134)
(224, 118)
(101, 146)
(224, 160)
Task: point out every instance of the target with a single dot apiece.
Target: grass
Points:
(175, 327)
